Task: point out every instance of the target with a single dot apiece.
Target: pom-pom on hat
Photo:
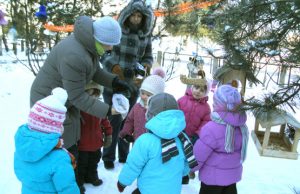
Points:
(154, 83)
(226, 98)
(42, 13)
(48, 114)
(159, 103)
(107, 31)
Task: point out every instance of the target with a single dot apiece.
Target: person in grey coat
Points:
(132, 57)
(72, 64)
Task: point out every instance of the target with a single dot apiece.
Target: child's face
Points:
(198, 91)
(144, 96)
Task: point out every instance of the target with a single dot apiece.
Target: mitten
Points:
(192, 175)
(120, 187)
(128, 138)
(116, 69)
(107, 141)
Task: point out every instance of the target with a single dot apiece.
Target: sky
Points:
(261, 175)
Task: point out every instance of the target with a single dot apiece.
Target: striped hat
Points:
(48, 114)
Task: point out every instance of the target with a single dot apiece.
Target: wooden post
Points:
(159, 57)
(15, 48)
(282, 75)
(266, 138)
(22, 45)
(296, 140)
(281, 132)
(256, 125)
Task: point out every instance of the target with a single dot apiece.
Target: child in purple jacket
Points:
(222, 144)
(134, 125)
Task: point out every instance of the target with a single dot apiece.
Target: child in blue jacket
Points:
(40, 161)
(159, 158)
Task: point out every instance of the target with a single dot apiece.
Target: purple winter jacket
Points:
(135, 122)
(196, 112)
(216, 166)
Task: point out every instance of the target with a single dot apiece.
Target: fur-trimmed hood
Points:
(147, 12)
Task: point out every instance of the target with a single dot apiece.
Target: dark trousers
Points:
(74, 150)
(116, 121)
(109, 154)
(213, 189)
(87, 165)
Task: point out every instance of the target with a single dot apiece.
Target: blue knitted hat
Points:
(107, 31)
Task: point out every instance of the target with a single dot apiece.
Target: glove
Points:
(128, 138)
(147, 68)
(192, 175)
(120, 187)
(116, 69)
(107, 141)
(120, 86)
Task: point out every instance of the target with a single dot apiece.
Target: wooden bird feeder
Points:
(275, 143)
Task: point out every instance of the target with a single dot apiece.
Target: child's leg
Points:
(82, 166)
(209, 189)
(92, 174)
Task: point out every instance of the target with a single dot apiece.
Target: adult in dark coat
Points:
(73, 63)
(136, 21)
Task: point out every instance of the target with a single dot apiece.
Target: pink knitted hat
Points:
(48, 114)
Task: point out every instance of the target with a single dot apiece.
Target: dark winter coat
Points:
(196, 112)
(92, 130)
(71, 64)
(134, 46)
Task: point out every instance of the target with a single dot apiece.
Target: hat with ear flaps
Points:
(199, 81)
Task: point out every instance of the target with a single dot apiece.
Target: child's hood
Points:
(167, 124)
(31, 145)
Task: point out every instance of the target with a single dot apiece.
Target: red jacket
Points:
(92, 130)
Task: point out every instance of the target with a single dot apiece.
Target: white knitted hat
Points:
(154, 84)
(107, 31)
(48, 114)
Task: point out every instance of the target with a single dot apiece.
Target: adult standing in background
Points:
(72, 64)
(132, 54)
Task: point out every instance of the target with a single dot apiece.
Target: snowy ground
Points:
(262, 175)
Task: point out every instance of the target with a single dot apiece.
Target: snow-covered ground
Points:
(262, 175)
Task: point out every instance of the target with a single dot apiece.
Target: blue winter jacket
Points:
(39, 167)
(144, 161)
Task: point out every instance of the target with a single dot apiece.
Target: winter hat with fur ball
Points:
(48, 114)
(226, 98)
(154, 83)
(107, 31)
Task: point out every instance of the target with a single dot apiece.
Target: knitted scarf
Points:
(169, 149)
(229, 136)
(59, 145)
